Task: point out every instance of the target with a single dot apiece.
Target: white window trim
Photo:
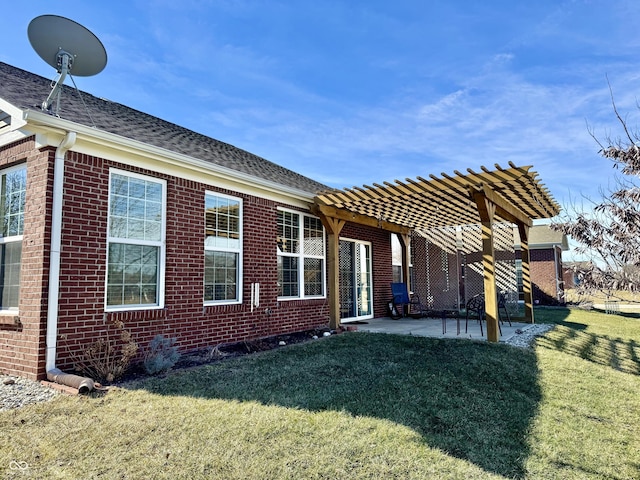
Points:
(370, 267)
(239, 251)
(161, 244)
(301, 256)
(13, 238)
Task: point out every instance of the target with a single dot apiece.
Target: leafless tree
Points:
(609, 233)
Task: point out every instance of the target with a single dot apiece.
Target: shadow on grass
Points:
(620, 354)
(474, 401)
(557, 316)
(573, 338)
(620, 314)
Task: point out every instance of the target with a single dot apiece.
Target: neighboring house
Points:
(570, 275)
(546, 246)
(109, 214)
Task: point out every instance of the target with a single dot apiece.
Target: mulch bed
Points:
(237, 349)
(229, 350)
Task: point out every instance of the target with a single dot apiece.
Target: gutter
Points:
(54, 374)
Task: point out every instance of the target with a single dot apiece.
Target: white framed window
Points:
(301, 256)
(222, 249)
(13, 189)
(135, 241)
(396, 258)
(519, 280)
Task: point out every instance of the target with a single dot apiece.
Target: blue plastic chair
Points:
(404, 304)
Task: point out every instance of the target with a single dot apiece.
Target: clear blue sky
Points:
(358, 91)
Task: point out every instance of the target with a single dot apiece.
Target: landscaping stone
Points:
(17, 392)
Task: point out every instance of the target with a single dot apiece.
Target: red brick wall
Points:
(82, 318)
(22, 345)
(543, 276)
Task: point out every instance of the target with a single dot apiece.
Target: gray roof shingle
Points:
(543, 236)
(27, 90)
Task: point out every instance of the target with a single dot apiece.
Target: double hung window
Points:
(136, 239)
(13, 187)
(222, 249)
(301, 256)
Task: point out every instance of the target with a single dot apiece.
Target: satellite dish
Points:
(68, 47)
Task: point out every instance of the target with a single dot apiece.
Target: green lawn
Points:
(572, 295)
(360, 406)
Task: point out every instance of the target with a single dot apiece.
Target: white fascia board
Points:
(542, 246)
(11, 133)
(50, 130)
(15, 112)
(11, 136)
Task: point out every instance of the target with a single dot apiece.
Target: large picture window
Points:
(13, 187)
(135, 265)
(301, 256)
(222, 249)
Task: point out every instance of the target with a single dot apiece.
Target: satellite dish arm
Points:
(65, 62)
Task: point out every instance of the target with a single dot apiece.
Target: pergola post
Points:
(334, 227)
(405, 242)
(487, 210)
(523, 229)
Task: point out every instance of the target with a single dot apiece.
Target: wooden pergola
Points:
(513, 195)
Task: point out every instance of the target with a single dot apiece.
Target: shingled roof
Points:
(27, 90)
(542, 237)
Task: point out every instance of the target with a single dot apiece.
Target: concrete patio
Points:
(433, 327)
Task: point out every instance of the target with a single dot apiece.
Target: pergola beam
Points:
(511, 194)
(504, 209)
(348, 216)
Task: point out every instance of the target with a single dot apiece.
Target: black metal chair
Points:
(476, 305)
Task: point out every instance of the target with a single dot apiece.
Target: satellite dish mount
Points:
(67, 46)
(65, 62)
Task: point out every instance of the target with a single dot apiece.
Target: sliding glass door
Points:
(356, 300)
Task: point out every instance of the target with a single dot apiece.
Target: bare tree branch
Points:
(615, 109)
(609, 233)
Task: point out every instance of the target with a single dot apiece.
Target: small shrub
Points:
(109, 357)
(161, 355)
(215, 353)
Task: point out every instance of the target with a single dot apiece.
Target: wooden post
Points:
(405, 242)
(334, 227)
(487, 210)
(523, 229)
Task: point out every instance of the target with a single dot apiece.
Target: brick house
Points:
(109, 214)
(167, 230)
(545, 250)
(570, 275)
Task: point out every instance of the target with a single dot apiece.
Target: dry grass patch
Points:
(360, 406)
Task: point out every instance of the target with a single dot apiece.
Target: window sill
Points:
(9, 318)
(221, 304)
(133, 308)
(291, 299)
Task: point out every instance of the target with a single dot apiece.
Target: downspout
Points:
(54, 374)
